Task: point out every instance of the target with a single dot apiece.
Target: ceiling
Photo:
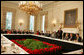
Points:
(43, 2)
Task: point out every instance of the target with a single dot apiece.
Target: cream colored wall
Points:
(58, 14)
(19, 16)
(1, 18)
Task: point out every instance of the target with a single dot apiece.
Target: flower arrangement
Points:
(34, 46)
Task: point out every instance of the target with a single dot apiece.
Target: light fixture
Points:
(54, 21)
(31, 7)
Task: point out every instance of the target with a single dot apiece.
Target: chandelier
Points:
(31, 7)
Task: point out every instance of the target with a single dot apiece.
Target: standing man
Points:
(59, 33)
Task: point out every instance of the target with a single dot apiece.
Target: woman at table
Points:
(78, 38)
(38, 33)
(66, 37)
(53, 34)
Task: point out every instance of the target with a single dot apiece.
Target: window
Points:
(43, 23)
(32, 23)
(8, 20)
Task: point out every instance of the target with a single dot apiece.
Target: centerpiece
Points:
(34, 46)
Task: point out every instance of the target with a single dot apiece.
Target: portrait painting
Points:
(70, 18)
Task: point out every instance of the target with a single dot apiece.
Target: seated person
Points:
(71, 38)
(14, 32)
(47, 33)
(27, 32)
(53, 34)
(2, 31)
(11, 31)
(78, 38)
(31, 31)
(5, 31)
(23, 32)
(38, 33)
(8, 32)
(42, 33)
(17, 32)
(66, 37)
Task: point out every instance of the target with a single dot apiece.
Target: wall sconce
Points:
(20, 23)
(54, 23)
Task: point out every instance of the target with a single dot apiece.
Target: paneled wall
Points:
(58, 15)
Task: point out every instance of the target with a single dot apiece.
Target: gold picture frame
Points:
(70, 17)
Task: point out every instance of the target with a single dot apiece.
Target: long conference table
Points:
(62, 42)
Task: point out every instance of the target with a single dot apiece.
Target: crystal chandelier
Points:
(31, 7)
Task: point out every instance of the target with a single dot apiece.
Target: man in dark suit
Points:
(14, 31)
(19, 32)
(23, 32)
(59, 33)
(48, 34)
(78, 38)
(71, 38)
(27, 32)
(5, 32)
(42, 33)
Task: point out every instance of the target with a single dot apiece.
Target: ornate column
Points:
(35, 23)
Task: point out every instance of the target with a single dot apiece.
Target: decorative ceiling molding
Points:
(16, 2)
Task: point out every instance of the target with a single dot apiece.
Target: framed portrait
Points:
(70, 17)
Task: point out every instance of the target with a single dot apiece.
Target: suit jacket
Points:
(5, 31)
(79, 39)
(26, 32)
(23, 32)
(14, 32)
(59, 32)
(72, 38)
(42, 33)
(66, 38)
